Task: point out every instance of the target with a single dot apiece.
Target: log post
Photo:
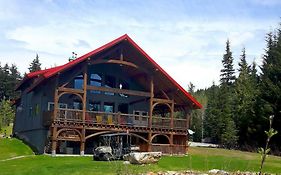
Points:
(56, 99)
(82, 145)
(150, 113)
(149, 144)
(54, 141)
(85, 94)
(172, 114)
(172, 143)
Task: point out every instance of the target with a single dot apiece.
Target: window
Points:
(95, 80)
(108, 107)
(36, 110)
(77, 105)
(94, 106)
(78, 82)
(123, 85)
(110, 83)
(51, 106)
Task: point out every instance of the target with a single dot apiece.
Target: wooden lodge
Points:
(115, 88)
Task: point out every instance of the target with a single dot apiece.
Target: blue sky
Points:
(186, 37)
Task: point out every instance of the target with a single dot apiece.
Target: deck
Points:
(114, 121)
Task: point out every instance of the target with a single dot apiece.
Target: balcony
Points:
(98, 118)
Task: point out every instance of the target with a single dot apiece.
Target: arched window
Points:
(110, 82)
(78, 82)
(95, 80)
(123, 85)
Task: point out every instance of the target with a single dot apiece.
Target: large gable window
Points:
(78, 82)
(123, 85)
(95, 80)
(110, 82)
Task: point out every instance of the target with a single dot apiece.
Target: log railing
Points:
(117, 119)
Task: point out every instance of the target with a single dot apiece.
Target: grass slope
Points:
(12, 148)
(199, 159)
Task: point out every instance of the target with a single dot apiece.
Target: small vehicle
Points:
(113, 146)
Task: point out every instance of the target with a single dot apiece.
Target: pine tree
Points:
(226, 103)
(245, 99)
(227, 73)
(35, 65)
(270, 85)
(14, 79)
(212, 117)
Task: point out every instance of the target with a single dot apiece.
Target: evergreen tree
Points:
(212, 117)
(197, 115)
(226, 103)
(245, 99)
(227, 73)
(270, 85)
(35, 65)
(6, 113)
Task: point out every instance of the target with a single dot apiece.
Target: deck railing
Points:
(115, 119)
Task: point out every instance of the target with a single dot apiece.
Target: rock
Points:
(143, 157)
(172, 173)
(126, 162)
(214, 171)
(220, 172)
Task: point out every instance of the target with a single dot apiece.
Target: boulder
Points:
(143, 157)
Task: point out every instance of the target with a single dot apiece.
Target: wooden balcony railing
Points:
(115, 119)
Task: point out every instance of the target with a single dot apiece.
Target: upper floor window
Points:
(110, 82)
(78, 82)
(123, 85)
(108, 107)
(77, 105)
(94, 106)
(95, 80)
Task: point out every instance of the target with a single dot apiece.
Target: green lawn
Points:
(199, 159)
(12, 148)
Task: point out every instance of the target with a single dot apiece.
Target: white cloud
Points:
(189, 47)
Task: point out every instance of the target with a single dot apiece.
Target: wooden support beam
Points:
(71, 90)
(82, 142)
(138, 101)
(54, 141)
(149, 144)
(172, 114)
(56, 98)
(159, 100)
(114, 61)
(119, 91)
(150, 112)
(164, 93)
(85, 93)
(71, 75)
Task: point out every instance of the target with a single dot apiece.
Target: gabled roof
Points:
(47, 73)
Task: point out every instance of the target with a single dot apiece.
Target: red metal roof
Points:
(47, 73)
